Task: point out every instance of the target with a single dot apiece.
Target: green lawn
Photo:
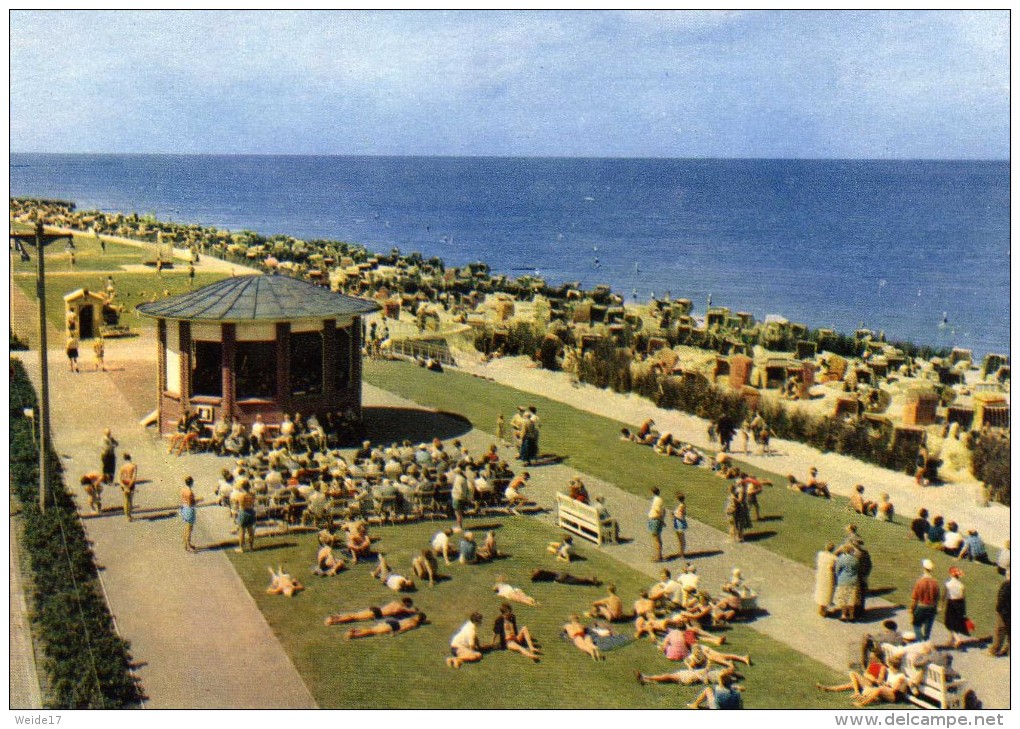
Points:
(591, 444)
(132, 289)
(408, 671)
(88, 256)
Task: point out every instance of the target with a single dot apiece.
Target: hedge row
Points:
(86, 663)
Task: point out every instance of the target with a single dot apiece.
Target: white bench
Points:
(936, 692)
(583, 520)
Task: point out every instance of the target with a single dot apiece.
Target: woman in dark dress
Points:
(956, 609)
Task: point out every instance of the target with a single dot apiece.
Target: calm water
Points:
(897, 246)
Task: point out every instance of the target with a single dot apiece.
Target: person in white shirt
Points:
(464, 645)
(397, 583)
(953, 540)
(441, 544)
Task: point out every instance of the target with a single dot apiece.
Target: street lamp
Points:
(41, 238)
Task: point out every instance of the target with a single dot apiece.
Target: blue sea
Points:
(919, 249)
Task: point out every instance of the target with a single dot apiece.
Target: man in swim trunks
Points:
(387, 626)
(685, 676)
(245, 518)
(187, 512)
(128, 476)
(395, 609)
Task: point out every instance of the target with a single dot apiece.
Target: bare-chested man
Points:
(128, 476)
(609, 608)
(395, 609)
(387, 626)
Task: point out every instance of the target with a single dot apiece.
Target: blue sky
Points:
(623, 84)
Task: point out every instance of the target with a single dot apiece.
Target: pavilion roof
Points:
(258, 298)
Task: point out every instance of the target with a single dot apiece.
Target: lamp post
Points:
(41, 239)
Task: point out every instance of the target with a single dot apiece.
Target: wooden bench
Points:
(937, 692)
(583, 520)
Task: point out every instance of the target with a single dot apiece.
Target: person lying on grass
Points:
(651, 626)
(509, 592)
(608, 608)
(401, 608)
(282, 584)
(686, 676)
(725, 694)
(464, 644)
(702, 656)
(564, 550)
(578, 634)
(397, 583)
(425, 566)
(387, 626)
(563, 578)
(507, 636)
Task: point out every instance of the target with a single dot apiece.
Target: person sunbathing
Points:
(387, 626)
(578, 634)
(651, 625)
(327, 563)
(725, 694)
(644, 605)
(702, 656)
(464, 645)
(874, 675)
(507, 636)
(509, 592)
(282, 583)
(564, 550)
(685, 676)
(394, 609)
(489, 550)
(358, 541)
(889, 691)
(563, 578)
(424, 566)
(397, 583)
(608, 608)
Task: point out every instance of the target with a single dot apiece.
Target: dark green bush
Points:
(17, 345)
(990, 462)
(86, 663)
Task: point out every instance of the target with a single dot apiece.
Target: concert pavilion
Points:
(258, 345)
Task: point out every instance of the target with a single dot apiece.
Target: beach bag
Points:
(969, 625)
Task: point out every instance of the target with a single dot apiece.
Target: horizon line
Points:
(522, 156)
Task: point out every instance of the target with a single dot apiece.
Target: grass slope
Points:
(407, 671)
(591, 444)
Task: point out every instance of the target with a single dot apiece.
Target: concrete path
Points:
(786, 588)
(197, 634)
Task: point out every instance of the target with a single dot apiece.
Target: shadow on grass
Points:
(771, 517)
(759, 535)
(232, 544)
(394, 424)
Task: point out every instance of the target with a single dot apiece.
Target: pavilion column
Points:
(283, 365)
(160, 370)
(354, 383)
(184, 340)
(330, 352)
(228, 339)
